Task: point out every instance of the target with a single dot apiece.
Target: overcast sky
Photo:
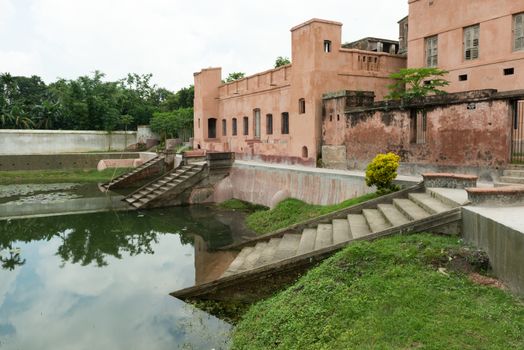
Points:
(170, 38)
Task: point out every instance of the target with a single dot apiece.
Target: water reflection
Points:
(101, 281)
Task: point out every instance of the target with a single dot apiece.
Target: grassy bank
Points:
(292, 211)
(55, 176)
(403, 292)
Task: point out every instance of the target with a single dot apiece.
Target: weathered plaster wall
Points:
(468, 134)
(279, 90)
(63, 141)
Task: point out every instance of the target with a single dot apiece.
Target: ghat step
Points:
(156, 189)
(138, 169)
(400, 211)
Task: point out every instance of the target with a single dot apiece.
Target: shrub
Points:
(382, 171)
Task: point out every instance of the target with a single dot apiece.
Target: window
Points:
(285, 123)
(432, 51)
(463, 77)
(212, 128)
(246, 126)
(269, 124)
(518, 32)
(471, 42)
(256, 122)
(234, 127)
(224, 127)
(327, 46)
(301, 106)
(509, 71)
(304, 152)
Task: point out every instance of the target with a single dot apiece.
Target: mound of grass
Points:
(55, 176)
(387, 294)
(236, 204)
(293, 211)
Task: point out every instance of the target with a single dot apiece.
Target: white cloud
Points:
(171, 38)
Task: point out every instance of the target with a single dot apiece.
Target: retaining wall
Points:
(496, 231)
(60, 161)
(268, 184)
(63, 141)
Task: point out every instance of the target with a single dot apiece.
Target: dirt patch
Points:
(486, 281)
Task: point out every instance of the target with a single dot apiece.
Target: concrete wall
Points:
(447, 19)
(63, 141)
(503, 243)
(144, 133)
(61, 161)
(460, 130)
(263, 184)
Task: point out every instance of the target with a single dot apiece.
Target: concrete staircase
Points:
(128, 177)
(513, 175)
(170, 184)
(385, 216)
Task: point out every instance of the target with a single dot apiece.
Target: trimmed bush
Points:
(382, 171)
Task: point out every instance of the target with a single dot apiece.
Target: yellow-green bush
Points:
(382, 171)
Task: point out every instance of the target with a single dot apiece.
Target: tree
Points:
(172, 124)
(382, 171)
(282, 61)
(235, 76)
(416, 82)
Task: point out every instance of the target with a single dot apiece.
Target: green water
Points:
(102, 281)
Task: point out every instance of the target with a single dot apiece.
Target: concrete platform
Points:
(512, 217)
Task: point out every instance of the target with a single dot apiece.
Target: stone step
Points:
(268, 254)
(512, 179)
(341, 231)
(428, 203)
(514, 173)
(410, 209)
(376, 221)
(307, 241)
(515, 167)
(287, 247)
(393, 215)
(503, 184)
(453, 197)
(358, 226)
(251, 260)
(324, 236)
(239, 260)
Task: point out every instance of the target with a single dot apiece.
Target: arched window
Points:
(212, 128)
(304, 152)
(301, 106)
(269, 124)
(327, 46)
(285, 123)
(234, 126)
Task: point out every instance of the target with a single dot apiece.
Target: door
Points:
(517, 134)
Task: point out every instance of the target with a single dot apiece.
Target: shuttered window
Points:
(518, 32)
(432, 51)
(471, 42)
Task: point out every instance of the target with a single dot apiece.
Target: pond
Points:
(102, 280)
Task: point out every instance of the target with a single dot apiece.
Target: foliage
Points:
(171, 124)
(86, 103)
(282, 61)
(416, 82)
(59, 176)
(386, 294)
(236, 204)
(293, 211)
(235, 76)
(382, 171)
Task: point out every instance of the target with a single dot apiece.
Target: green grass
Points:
(236, 204)
(292, 211)
(386, 294)
(54, 176)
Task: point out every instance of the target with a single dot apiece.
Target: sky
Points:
(171, 39)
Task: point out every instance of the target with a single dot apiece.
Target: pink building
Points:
(276, 115)
(480, 42)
